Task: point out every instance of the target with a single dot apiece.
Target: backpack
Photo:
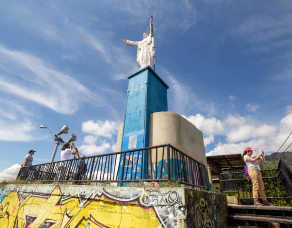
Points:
(246, 172)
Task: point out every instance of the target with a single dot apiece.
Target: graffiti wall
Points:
(51, 206)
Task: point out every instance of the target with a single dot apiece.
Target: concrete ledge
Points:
(71, 206)
(232, 200)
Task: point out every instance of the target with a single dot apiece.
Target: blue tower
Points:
(147, 93)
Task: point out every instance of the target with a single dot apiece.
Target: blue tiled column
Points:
(147, 93)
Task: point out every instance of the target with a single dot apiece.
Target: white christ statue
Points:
(145, 48)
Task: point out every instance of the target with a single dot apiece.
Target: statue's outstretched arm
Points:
(151, 27)
(131, 43)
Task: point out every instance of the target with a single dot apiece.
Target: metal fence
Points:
(285, 174)
(237, 183)
(152, 164)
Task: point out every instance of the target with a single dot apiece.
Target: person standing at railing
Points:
(28, 159)
(256, 176)
(65, 155)
(65, 151)
(79, 173)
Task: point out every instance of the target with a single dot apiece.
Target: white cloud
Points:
(289, 109)
(184, 14)
(182, 93)
(12, 110)
(266, 137)
(241, 134)
(97, 45)
(104, 129)
(222, 149)
(209, 126)
(113, 148)
(262, 28)
(208, 140)
(235, 120)
(78, 39)
(89, 139)
(247, 132)
(28, 77)
(231, 97)
(265, 131)
(183, 97)
(286, 124)
(17, 131)
(10, 173)
(92, 149)
(252, 108)
(93, 144)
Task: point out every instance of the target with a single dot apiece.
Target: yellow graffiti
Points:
(36, 210)
(98, 211)
(105, 212)
(8, 209)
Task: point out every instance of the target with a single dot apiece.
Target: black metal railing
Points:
(152, 164)
(285, 174)
(237, 183)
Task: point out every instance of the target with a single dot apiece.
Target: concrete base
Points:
(232, 200)
(170, 127)
(107, 206)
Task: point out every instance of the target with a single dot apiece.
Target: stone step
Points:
(257, 218)
(264, 216)
(266, 208)
(242, 226)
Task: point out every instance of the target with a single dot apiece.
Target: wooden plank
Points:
(242, 226)
(267, 208)
(263, 216)
(261, 219)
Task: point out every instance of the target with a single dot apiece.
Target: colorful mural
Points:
(98, 210)
(49, 206)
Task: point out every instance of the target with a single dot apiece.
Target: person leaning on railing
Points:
(256, 176)
(28, 159)
(65, 151)
(65, 155)
(79, 173)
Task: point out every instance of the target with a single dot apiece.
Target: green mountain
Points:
(273, 160)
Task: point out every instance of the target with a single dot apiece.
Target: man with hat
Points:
(28, 159)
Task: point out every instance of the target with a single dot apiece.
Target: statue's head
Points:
(145, 35)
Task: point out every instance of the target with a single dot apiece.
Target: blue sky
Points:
(228, 65)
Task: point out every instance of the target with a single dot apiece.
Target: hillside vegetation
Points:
(273, 160)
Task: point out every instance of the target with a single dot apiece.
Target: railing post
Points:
(67, 177)
(220, 183)
(19, 173)
(123, 167)
(92, 164)
(168, 161)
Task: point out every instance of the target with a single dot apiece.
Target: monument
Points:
(147, 121)
(145, 48)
